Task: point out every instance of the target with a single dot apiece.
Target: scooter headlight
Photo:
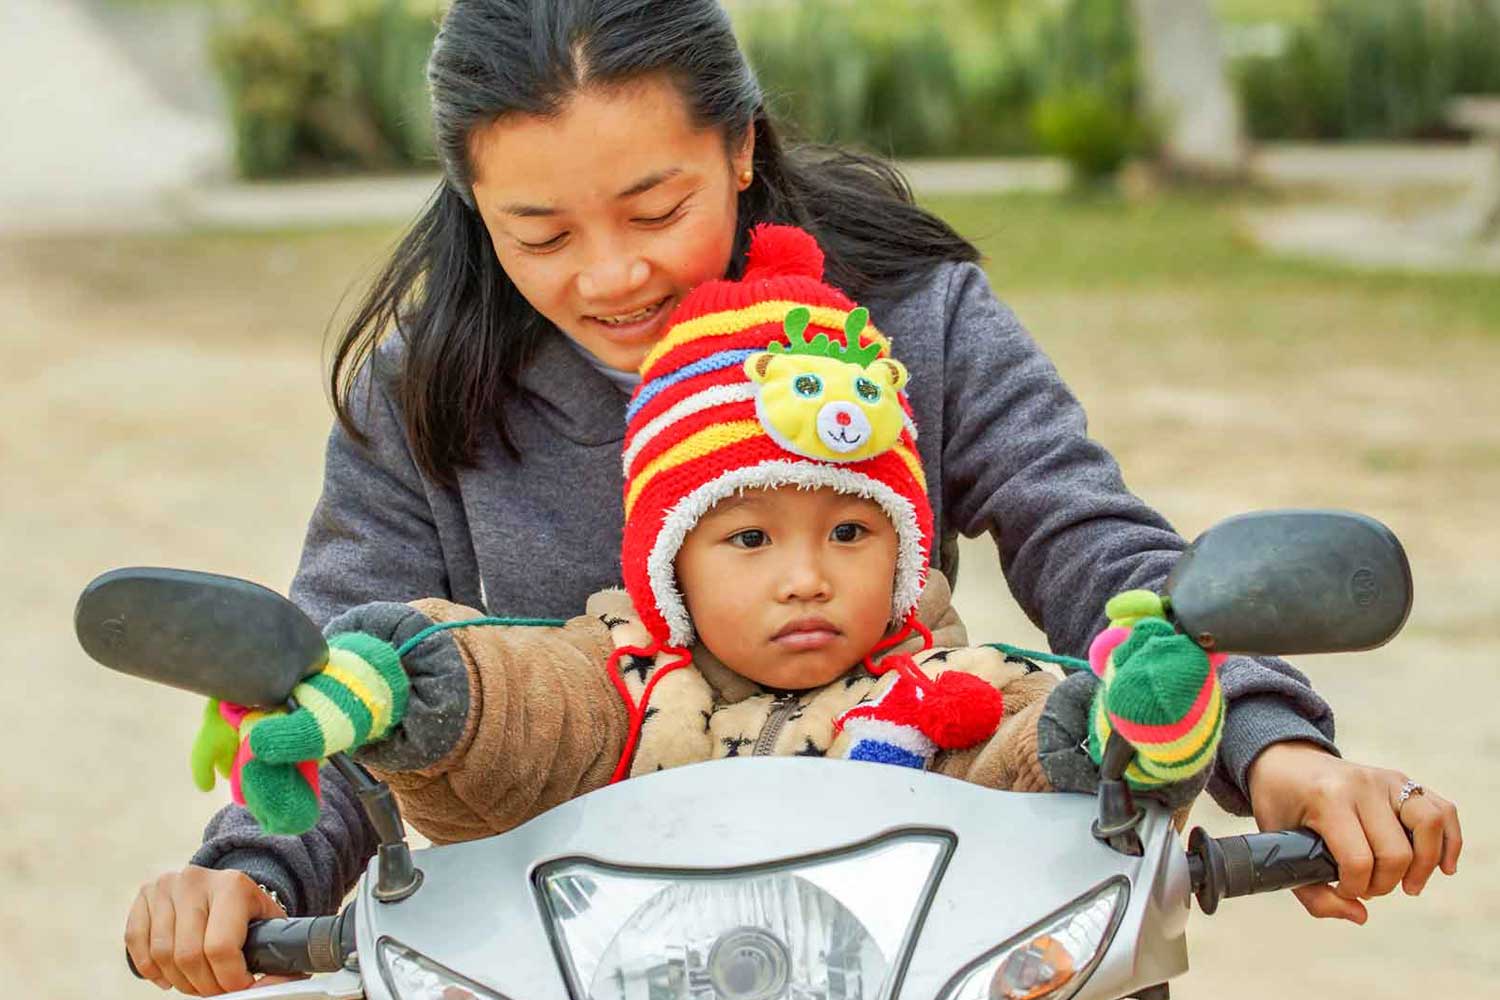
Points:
(834, 927)
(1050, 960)
(410, 975)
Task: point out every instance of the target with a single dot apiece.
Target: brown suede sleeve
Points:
(1009, 760)
(544, 725)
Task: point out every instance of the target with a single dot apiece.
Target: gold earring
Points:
(746, 176)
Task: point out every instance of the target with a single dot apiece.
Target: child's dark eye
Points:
(849, 532)
(750, 538)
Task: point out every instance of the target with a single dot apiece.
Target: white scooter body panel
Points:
(1018, 858)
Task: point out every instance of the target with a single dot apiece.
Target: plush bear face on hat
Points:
(774, 380)
(820, 399)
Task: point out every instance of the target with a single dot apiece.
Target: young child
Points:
(777, 600)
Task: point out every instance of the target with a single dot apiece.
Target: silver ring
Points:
(1409, 789)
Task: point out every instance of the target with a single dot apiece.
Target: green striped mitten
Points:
(357, 698)
(1160, 690)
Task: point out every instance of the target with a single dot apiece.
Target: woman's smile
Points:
(635, 325)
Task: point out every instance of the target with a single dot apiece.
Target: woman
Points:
(601, 157)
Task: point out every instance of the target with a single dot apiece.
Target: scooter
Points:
(815, 879)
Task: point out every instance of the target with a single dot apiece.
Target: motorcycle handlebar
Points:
(1252, 863)
(292, 946)
(1219, 867)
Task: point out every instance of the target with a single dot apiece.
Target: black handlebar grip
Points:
(1255, 863)
(1280, 859)
(290, 946)
(278, 947)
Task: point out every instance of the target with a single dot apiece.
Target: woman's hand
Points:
(186, 930)
(1378, 841)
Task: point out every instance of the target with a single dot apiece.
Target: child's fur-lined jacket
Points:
(506, 722)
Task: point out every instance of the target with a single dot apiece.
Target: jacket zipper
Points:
(785, 703)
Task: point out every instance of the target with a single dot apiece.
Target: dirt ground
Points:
(161, 402)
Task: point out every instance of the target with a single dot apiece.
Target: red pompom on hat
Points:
(782, 250)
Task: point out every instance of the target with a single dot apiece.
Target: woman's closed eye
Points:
(546, 246)
(556, 242)
(659, 220)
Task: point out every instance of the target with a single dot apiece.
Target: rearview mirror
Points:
(218, 636)
(1292, 581)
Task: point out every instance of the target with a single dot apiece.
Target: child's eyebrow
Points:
(732, 503)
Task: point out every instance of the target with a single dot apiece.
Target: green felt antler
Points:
(822, 346)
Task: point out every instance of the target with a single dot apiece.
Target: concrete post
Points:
(1186, 90)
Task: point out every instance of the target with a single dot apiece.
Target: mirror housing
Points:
(1292, 581)
(217, 636)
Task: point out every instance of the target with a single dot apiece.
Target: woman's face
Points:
(607, 214)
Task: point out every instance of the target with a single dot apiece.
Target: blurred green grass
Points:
(1183, 242)
(1040, 249)
(1194, 244)
(1187, 250)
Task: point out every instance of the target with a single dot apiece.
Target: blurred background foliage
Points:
(336, 83)
(1371, 69)
(317, 83)
(953, 79)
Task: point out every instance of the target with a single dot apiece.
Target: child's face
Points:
(789, 587)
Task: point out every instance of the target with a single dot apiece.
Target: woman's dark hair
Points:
(468, 332)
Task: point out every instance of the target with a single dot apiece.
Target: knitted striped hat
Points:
(773, 380)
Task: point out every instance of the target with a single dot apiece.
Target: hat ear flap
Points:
(758, 365)
(893, 371)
